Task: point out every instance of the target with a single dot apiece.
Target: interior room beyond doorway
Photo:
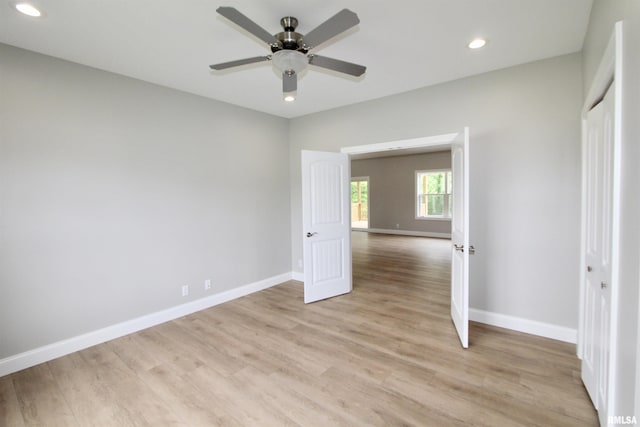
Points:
(402, 194)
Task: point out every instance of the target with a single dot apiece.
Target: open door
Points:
(326, 224)
(460, 249)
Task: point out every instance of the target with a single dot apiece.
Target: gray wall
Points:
(603, 16)
(392, 198)
(115, 192)
(525, 175)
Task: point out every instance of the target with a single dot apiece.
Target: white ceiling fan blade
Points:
(333, 26)
(337, 65)
(239, 62)
(235, 16)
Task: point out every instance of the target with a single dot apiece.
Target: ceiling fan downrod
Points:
(289, 39)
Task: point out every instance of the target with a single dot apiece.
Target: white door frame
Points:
(610, 69)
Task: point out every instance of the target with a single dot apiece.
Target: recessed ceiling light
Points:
(477, 43)
(289, 98)
(28, 9)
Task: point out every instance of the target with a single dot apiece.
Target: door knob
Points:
(459, 248)
(311, 234)
(589, 269)
(472, 250)
(603, 285)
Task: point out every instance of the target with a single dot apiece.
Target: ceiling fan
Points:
(290, 49)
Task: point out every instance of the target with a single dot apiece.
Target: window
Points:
(433, 194)
(360, 202)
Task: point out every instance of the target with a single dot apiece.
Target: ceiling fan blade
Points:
(330, 28)
(289, 82)
(337, 65)
(239, 62)
(233, 15)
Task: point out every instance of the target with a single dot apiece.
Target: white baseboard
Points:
(43, 354)
(519, 324)
(405, 232)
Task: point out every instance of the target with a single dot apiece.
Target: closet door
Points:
(599, 173)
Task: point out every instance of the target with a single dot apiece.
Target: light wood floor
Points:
(386, 354)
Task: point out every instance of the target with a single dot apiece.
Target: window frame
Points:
(448, 197)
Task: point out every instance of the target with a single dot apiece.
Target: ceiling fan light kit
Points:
(289, 60)
(290, 49)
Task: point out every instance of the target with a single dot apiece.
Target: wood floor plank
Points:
(88, 395)
(10, 414)
(184, 400)
(232, 394)
(301, 396)
(384, 355)
(136, 404)
(41, 401)
(441, 407)
(398, 409)
(265, 350)
(134, 353)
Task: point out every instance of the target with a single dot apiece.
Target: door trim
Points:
(438, 141)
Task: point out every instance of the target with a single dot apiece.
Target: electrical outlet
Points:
(299, 263)
(185, 290)
(207, 284)
(397, 225)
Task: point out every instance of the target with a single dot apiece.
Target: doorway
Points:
(454, 206)
(326, 220)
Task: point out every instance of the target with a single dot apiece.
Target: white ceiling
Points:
(405, 44)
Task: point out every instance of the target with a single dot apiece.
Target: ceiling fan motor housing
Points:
(289, 39)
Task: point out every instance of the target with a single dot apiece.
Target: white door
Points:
(598, 177)
(326, 224)
(460, 248)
